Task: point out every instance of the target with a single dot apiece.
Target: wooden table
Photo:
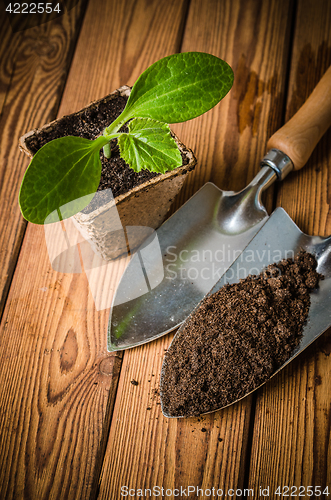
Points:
(72, 424)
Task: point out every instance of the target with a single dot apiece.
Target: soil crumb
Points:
(237, 338)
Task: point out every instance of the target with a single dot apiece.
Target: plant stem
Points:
(109, 137)
(107, 150)
(103, 142)
(100, 142)
(116, 125)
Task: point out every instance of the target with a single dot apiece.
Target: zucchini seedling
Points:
(66, 172)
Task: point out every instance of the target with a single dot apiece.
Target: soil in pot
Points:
(116, 174)
(125, 199)
(238, 338)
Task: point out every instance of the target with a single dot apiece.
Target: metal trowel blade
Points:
(181, 261)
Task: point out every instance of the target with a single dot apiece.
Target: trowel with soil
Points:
(181, 262)
(270, 305)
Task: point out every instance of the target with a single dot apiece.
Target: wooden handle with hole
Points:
(299, 136)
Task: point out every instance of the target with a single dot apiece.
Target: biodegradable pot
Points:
(145, 205)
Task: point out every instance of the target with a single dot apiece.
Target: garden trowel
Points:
(278, 239)
(181, 262)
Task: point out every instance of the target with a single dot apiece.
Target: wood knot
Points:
(69, 351)
(106, 366)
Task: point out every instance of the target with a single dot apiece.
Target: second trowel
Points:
(180, 262)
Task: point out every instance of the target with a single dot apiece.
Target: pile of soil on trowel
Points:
(237, 338)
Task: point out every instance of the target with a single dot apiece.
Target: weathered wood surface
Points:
(33, 69)
(291, 438)
(145, 449)
(72, 423)
(57, 382)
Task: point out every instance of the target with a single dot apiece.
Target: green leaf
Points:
(62, 176)
(149, 145)
(179, 87)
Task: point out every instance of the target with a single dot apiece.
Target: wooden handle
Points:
(299, 136)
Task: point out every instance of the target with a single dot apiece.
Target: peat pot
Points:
(114, 222)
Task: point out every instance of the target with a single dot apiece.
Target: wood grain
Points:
(33, 69)
(57, 381)
(8, 47)
(132, 36)
(291, 440)
(299, 136)
(144, 448)
(253, 37)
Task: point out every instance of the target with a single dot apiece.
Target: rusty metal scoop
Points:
(181, 262)
(279, 238)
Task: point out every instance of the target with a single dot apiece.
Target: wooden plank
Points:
(144, 448)
(291, 440)
(8, 48)
(240, 125)
(134, 35)
(57, 381)
(33, 69)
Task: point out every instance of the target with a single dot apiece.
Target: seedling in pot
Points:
(66, 172)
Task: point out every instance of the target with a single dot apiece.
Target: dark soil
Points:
(116, 174)
(238, 338)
